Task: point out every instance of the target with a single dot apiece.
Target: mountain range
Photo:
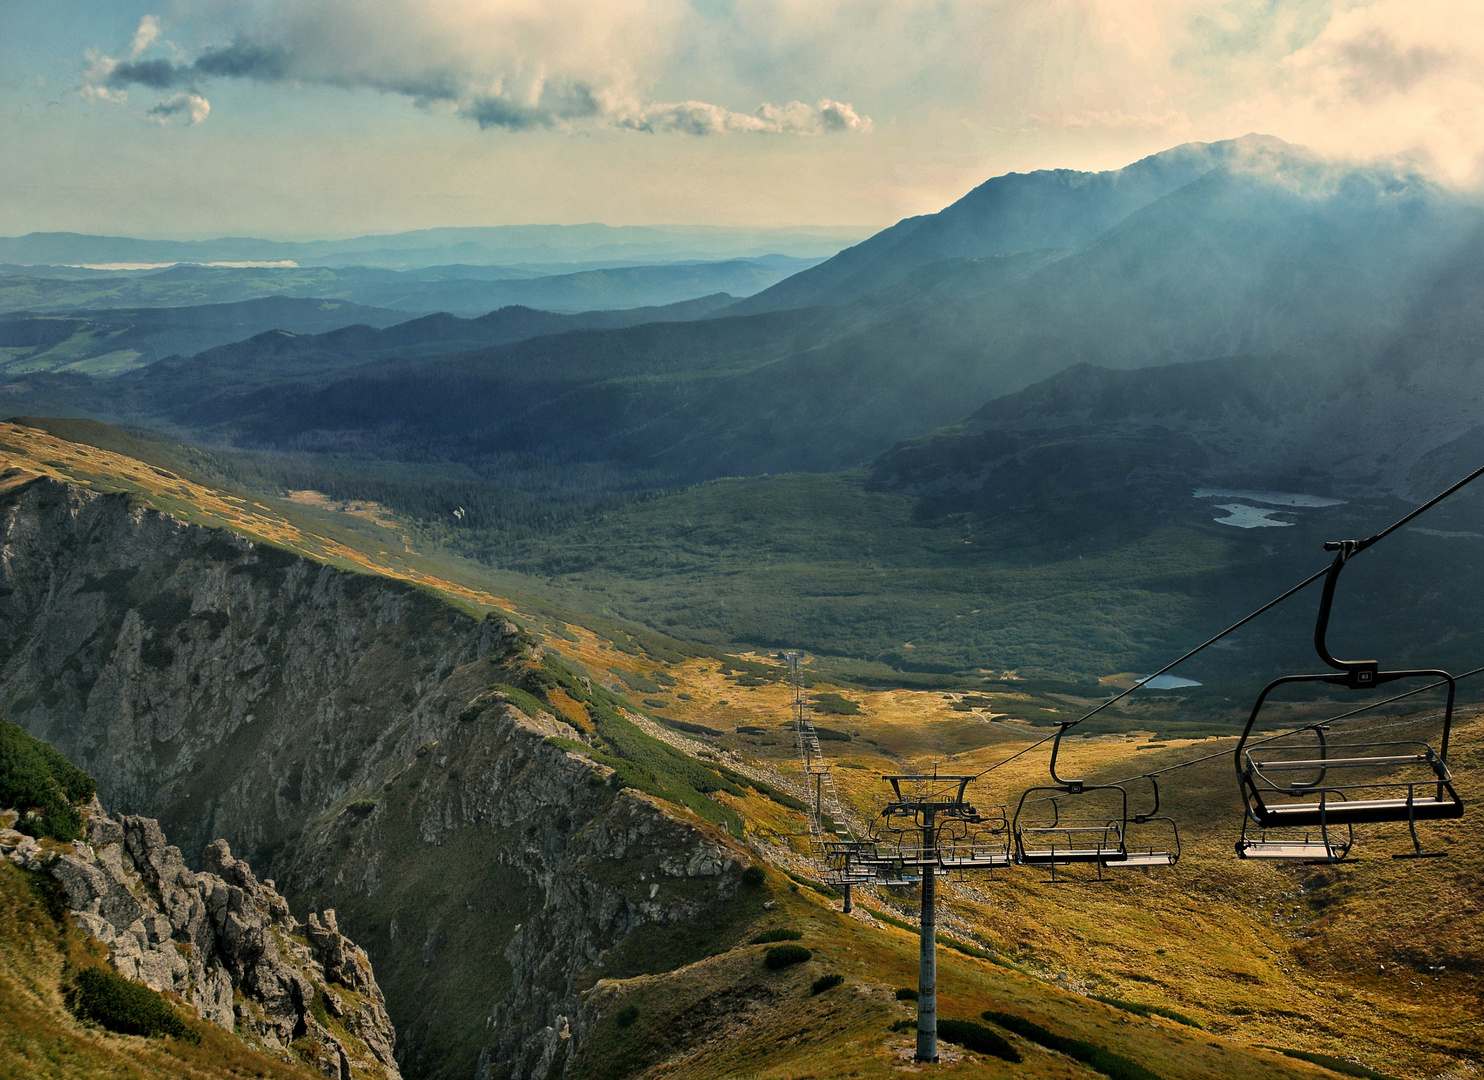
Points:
(1062, 357)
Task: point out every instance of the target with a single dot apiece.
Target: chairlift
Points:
(1136, 856)
(1316, 785)
(982, 844)
(1077, 839)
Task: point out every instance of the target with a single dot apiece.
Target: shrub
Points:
(826, 982)
(835, 705)
(360, 807)
(626, 1016)
(818, 886)
(753, 876)
(1148, 1010)
(831, 735)
(682, 725)
(1094, 1057)
(906, 993)
(1333, 1064)
(782, 956)
(978, 1038)
(112, 1001)
(767, 937)
(521, 700)
(34, 776)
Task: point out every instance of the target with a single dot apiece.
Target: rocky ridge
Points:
(347, 733)
(221, 941)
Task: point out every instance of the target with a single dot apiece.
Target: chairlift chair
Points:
(1083, 839)
(983, 844)
(1138, 857)
(1324, 787)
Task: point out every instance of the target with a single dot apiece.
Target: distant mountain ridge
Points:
(431, 247)
(1045, 209)
(470, 292)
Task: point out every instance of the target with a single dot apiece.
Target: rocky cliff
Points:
(223, 942)
(345, 733)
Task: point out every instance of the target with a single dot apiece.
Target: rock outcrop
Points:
(221, 941)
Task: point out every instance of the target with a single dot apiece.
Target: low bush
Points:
(626, 1016)
(835, 705)
(818, 886)
(1148, 1010)
(1094, 1057)
(906, 993)
(831, 735)
(34, 776)
(112, 1001)
(753, 876)
(978, 1038)
(1333, 1064)
(682, 725)
(767, 937)
(826, 982)
(782, 956)
(521, 700)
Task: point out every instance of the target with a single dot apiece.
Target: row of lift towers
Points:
(922, 808)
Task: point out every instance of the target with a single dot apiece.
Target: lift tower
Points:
(925, 804)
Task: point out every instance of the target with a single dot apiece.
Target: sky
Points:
(292, 119)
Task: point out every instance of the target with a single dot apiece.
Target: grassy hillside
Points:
(1299, 957)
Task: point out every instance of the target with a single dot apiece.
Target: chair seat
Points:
(1339, 763)
(1145, 858)
(975, 861)
(1356, 812)
(1280, 849)
(1071, 855)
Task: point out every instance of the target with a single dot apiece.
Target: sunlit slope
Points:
(29, 452)
(1375, 960)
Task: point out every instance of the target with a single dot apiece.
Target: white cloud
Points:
(191, 108)
(145, 36)
(795, 118)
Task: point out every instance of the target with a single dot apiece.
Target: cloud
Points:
(795, 118)
(156, 74)
(192, 108)
(513, 64)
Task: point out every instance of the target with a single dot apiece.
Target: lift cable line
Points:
(1346, 549)
(1156, 773)
(947, 832)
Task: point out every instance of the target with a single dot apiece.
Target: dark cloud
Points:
(244, 61)
(159, 74)
(558, 104)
